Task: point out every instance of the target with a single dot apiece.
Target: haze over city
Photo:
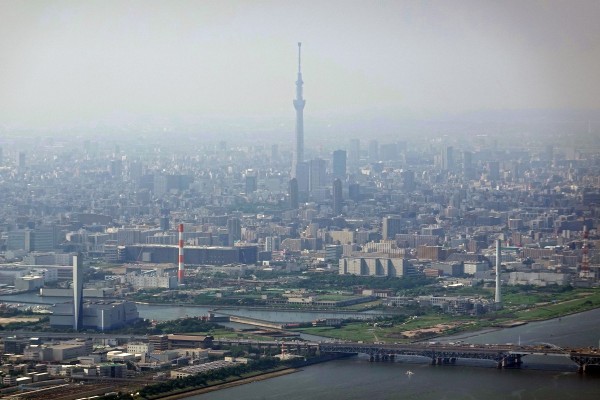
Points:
(228, 65)
(326, 199)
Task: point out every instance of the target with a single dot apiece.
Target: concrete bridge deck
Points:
(504, 355)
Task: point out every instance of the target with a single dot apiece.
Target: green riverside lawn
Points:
(531, 305)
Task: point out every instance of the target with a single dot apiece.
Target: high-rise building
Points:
(234, 230)
(493, 170)
(293, 193)
(388, 152)
(408, 179)
(299, 104)
(251, 182)
(272, 243)
(354, 154)
(317, 174)
(116, 168)
(337, 197)
(354, 192)
(515, 169)
(21, 160)
(390, 227)
(373, 151)
(447, 158)
(467, 165)
(303, 178)
(339, 164)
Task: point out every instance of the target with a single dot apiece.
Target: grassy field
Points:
(531, 297)
(553, 310)
(368, 332)
(527, 306)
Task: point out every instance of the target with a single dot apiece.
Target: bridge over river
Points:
(505, 356)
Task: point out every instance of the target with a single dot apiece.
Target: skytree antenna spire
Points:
(299, 57)
(299, 103)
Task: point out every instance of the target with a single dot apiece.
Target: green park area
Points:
(560, 305)
(520, 305)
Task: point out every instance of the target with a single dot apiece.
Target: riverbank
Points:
(220, 386)
(236, 380)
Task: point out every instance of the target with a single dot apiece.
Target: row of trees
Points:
(344, 282)
(208, 377)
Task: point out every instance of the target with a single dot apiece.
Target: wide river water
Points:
(357, 378)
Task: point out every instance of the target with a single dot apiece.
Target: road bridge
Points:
(505, 356)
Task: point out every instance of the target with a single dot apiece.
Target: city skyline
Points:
(226, 63)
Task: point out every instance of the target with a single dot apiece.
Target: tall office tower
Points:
(373, 151)
(494, 170)
(21, 159)
(44, 238)
(515, 170)
(388, 152)
(339, 164)
(272, 243)
(354, 192)
(299, 104)
(234, 230)
(251, 182)
(77, 291)
(303, 176)
(164, 223)
(293, 193)
(467, 165)
(408, 179)
(354, 153)
(317, 174)
(447, 158)
(338, 200)
(135, 170)
(390, 227)
(274, 152)
(116, 168)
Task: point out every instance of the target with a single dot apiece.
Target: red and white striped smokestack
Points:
(181, 269)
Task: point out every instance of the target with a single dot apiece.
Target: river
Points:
(357, 378)
(168, 312)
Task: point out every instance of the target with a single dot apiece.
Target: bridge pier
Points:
(592, 369)
(511, 361)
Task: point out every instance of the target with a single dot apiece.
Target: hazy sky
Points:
(65, 62)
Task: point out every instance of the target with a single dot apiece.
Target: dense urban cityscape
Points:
(148, 262)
